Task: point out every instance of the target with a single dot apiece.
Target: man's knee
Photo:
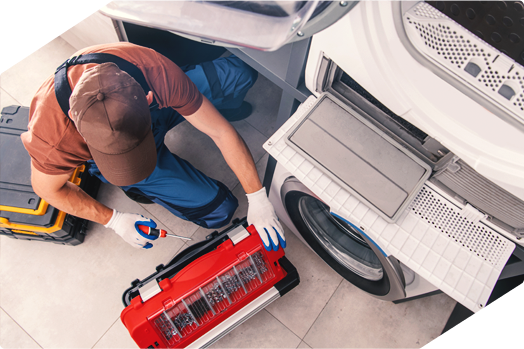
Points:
(236, 75)
(222, 215)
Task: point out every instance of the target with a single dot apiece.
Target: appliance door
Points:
(343, 246)
(263, 25)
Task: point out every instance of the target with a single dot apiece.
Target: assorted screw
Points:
(215, 294)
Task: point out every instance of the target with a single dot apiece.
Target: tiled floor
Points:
(70, 297)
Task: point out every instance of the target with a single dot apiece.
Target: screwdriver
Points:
(159, 232)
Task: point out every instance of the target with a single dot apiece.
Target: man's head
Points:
(111, 112)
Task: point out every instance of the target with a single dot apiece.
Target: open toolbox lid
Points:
(207, 290)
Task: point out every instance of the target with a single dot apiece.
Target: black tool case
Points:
(23, 215)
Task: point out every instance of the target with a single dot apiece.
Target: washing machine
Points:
(394, 172)
(341, 244)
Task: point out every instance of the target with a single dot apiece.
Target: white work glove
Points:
(261, 214)
(126, 225)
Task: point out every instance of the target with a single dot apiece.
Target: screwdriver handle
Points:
(152, 231)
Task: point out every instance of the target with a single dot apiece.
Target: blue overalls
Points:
(175, 183)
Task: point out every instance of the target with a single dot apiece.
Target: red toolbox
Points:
(207, 290)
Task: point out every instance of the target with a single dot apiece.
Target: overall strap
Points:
(63, 90)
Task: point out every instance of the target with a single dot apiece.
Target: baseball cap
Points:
(110, 110)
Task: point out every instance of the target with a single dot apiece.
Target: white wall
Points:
(76, 21)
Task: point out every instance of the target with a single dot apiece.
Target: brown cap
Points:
(110, 110)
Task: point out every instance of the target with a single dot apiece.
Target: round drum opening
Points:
(340, 239)
(339, 244)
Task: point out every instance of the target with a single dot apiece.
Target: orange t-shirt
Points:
(52, 141)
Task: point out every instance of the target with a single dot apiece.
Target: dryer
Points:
(342, 245)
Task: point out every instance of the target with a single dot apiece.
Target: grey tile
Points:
(20, 33)
(299, 309)
(23, 79)
(353, 319)
(116, 337)
(265, 97)
(260, 331)
(303, 345)
(197, 148)
(6, 99)
(169, 221)
(12, 335)
(66, 296)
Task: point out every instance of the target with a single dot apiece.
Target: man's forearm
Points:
(73, 200)
(239, 159)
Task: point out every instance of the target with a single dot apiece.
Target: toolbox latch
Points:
(238, 234)
(149, 290)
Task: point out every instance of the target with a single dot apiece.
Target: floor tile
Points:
(197, 148)
(260, 331)
(66, 296)
(23, 79)
(299, 309)
(303, 345)
(172, 223)
(353, 319)
(20, 33)
(265, 97)
(6, 99)
(116, 337)
(12, 335)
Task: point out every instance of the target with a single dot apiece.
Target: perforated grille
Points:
(479, 239)
(428, 11)
(459, 51)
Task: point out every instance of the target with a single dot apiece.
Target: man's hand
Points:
(126, 225)
(261, 214)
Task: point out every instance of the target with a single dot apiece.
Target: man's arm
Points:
(68, 197)
(209, 121)
(260, 211)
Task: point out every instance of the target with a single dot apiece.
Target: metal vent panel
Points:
(460, 53)
(484, 195)
(446, 218)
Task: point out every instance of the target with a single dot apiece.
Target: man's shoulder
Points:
(133, 53)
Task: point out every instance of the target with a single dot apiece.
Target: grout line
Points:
(7, 93)
(290, 330)
(102, 336)
(2, 309)
(329, 300)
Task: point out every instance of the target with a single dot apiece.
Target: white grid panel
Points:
(462, 258)
(452, 47)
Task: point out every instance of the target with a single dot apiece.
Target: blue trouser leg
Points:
(224, 81)
(175, 183)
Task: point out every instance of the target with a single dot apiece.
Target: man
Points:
(94, 111)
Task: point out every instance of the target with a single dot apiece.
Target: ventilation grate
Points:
(480, 66)
(479, 239)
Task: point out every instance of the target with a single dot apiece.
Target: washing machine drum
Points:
(345, 248)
